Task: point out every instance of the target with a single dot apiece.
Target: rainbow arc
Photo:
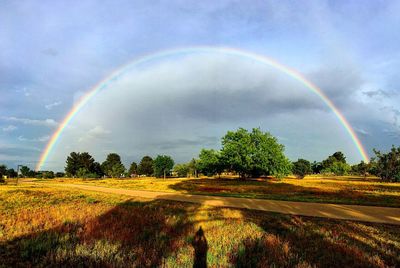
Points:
(103, 84)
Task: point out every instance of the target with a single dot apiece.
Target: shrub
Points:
(301, 168)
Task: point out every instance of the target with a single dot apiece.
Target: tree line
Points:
(246, 153)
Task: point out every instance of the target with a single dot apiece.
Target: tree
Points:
(210, 162)
(97, 170)
(80, 161)
(388, 164)
(162, 165)
(133, 169)
(316, 167)
(301, 168)
(60, 174)
(254, 153)
(3, 171)
(113, 166)
(193, 167)
(336, 164)
(47, 174)
(360, 169)
(117, 170)
(11, 173)
(182, 169)
(146, 166)
(25, 171)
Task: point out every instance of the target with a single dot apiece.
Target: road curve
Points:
(334, 211)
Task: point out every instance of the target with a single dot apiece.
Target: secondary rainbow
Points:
(103, 84)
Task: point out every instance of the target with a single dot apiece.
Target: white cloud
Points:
(52, 105)
(97, 132)
(9, 128)
(33, 122)
(362, 131)
(39, 139)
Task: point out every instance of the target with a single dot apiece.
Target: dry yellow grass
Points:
(341, 190)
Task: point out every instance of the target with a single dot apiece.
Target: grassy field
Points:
(43, 226)
(339, 190)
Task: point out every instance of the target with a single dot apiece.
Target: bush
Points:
(301, 168)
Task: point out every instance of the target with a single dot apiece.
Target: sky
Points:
(53, 52)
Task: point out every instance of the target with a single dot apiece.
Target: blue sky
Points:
(51, 52)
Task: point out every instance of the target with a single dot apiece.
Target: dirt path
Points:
(348, 212)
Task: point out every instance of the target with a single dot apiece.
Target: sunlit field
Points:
(45, 226)
(340, 190)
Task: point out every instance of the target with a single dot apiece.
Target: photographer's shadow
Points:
(200, 249)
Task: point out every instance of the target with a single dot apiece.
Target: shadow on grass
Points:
(132, 234)
(293, 241)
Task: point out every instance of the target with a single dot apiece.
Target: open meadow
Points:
(48, 226)
(334, 189)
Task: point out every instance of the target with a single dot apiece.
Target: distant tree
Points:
(336, 164)
(25, 171)
(133, 169)
(338, 168)
(254, 153)
(316, 167)
(301, 168)
(210, 162)
(113, 166)
(82, 173)
(336, 157)
(3, 171)
(96, 170)
(162, 165)
(339, 156)
(388, 164)
(146, 166)
(48, 175)
(193, 167)
(11, 173)
(79, 161)
(182, 169)
(360, 169)
(60, 174)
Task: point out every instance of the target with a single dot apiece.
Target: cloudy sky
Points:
(52, 52)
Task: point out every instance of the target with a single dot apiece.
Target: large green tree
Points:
(336, 164)
(113, 166)
(388, 164)
(254, 153)
(146, 166)
(210, 162)
(82, 162)
(162, 165)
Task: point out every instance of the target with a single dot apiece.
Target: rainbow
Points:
(103, 84)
